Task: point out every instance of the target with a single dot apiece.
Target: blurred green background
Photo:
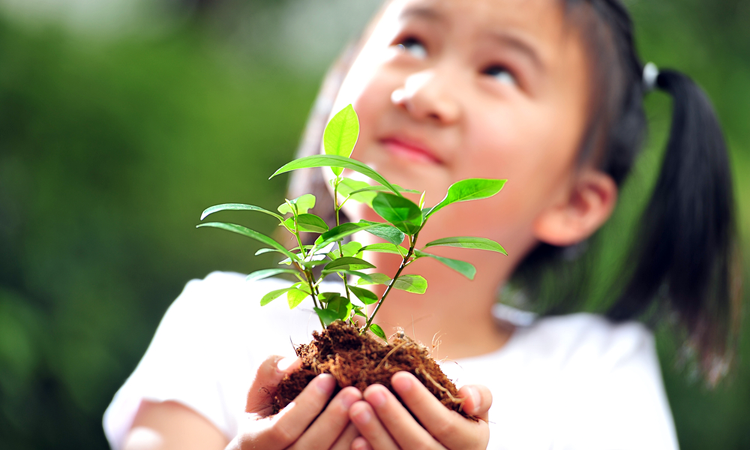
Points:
(120, 120)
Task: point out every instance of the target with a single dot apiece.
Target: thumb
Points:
(268, 376)
(477, 400)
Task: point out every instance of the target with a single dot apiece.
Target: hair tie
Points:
(650, 74)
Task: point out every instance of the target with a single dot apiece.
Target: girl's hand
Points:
(385, 424)
(296, 426)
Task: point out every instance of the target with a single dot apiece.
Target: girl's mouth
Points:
(410, 150)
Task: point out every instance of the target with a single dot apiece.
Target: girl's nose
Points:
(427, 96)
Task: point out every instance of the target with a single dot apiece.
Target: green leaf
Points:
(386, 247)
(273, 295)
(342, 231)
(309, 223)
(377, 331)
(468, 242)
(326, 297)
(358, 311)
(341, 306)
(364, 295)
(401, 212)
(347, 263)
(462, 267)
(263, 251)
(376, 189)
(335, 161)
(387, 232)
(239, 229)
(363, 192)
(303, 203)
(356, 273)
(295, 296)
(416, 284)
(317, 260)
(238, 207)
(265, 273)
(374, 278)
(351, 248)
(341, 134)
(326, 315)
(470, 189)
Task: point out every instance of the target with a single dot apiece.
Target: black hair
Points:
(686, 257)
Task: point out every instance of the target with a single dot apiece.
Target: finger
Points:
(361, 443)
(331, 423)
(283, 429)
(448, 427)
(268, 376)
(372, 430)
(344, 442)
(477, 400)
(399, 423)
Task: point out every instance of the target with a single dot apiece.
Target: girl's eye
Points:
(413, 46)
(501, 74)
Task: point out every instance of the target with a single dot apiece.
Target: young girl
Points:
(545, 93)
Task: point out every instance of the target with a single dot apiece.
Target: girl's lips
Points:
(410, 150)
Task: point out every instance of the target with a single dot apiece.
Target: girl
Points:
(545, 93)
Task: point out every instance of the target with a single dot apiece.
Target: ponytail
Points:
(684, 263)
(686, 245)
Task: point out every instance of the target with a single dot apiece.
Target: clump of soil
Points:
(361, 360)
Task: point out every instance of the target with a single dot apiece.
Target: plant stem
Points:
(313, 288)
(404, 262)
(337, 207)
(341, 251)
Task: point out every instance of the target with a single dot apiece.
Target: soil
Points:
(361, 360)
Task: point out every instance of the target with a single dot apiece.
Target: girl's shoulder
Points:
(577, 379)
(574, 340)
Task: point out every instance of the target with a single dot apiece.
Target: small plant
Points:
(404, 220)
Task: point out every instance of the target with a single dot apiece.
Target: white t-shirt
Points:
(567, 382)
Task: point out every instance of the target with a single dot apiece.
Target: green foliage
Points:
(341, 135)
(465, 190)
(244, 231)
(468, 242)
(299, 205)
(400, 212)
(462, 267)
(335, 161)
(404, 219)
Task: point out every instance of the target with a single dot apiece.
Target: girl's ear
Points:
(588, 203)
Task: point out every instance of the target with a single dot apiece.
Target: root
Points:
(437, 385)
(393, 350)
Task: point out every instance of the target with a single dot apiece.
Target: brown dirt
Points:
(361, 360)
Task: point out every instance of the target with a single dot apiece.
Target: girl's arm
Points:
(171, 425)
(386, 425)
(301, 425)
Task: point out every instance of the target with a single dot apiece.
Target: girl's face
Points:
(453, 89)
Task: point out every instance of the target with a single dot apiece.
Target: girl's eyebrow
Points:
(422, 12)
(520, 44)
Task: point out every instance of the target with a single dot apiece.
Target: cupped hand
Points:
(385, 424)
(300, 425)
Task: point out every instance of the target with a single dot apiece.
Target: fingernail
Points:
(362, 417)
(325, 384)
(283, 364)
(376, 398)
(401, 383)
(474, 396)
(348, 399)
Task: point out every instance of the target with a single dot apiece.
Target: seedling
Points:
(403, 221)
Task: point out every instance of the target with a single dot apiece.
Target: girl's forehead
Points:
(540, 26)
(489, 13)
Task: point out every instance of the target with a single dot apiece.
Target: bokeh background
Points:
(120, 120)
